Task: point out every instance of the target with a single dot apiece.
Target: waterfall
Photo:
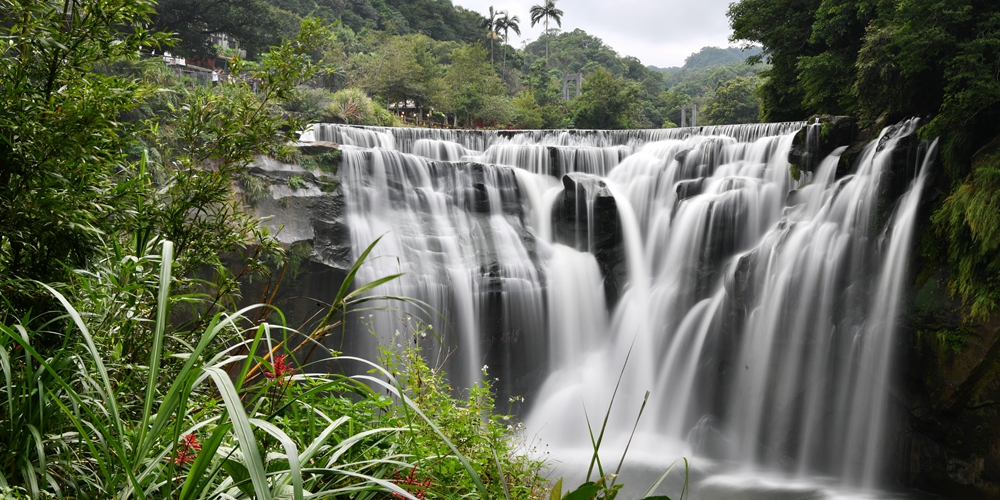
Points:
(758, 309)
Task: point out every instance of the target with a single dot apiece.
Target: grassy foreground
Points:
(227, 412)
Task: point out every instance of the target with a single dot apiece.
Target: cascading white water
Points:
(757, 309)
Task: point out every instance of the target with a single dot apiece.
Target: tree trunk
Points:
(504, 54)
(546, 40)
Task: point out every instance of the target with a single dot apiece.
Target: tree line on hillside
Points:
(398, 53)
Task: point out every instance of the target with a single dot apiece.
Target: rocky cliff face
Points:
(302, 205)
(949, 424)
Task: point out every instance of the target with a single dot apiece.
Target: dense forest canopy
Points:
(401, 51)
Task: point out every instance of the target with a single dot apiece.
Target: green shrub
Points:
(296, 182)
(353, 106)
(254, 189)
(309, 102)
(970, 221)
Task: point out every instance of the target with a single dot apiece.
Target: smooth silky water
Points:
(758, 310)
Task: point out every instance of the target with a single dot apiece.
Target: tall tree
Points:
(491, 24)
(546, 11)
(508, 23)
(607, 102)
(254, 23)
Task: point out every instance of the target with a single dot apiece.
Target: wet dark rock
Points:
(317, 148)
(681, 156)
(572, 223)
(822, 134)
(946, 421)
(690, 188)
(478, 196)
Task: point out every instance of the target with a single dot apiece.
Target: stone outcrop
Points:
(818, 139)
(571, 227)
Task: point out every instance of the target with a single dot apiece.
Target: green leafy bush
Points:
(353, 106)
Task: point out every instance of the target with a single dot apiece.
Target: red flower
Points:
(187, 450)
(281, 368)
(419, 488)
(184, 458)
(190, 442)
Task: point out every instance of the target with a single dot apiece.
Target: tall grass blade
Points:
(196, 476)
(659, 480)
(503, 480)
(166, 261)
(8, 379)
(243, 432)
(607, 415)
(109, 393)
(556, 491)
(291, 452)
(645, 399)
(338, 301)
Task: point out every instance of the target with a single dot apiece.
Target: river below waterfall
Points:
(747, 304)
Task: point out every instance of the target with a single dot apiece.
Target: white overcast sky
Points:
(659, 32)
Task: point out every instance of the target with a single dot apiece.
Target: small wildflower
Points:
(183, 458)
(190, 441)
(410, 483)
(186, 450)
(485, 367)
(281, 369)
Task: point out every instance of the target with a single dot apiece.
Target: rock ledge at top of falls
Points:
(821, 135)
(316, 147)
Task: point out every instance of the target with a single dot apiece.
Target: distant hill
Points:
(711, 57)
(438, 19)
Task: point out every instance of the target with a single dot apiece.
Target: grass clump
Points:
(297, 182)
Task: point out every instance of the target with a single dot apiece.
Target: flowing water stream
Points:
(758, 310)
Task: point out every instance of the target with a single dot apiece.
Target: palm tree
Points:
(546, 11)
(507, 23)
(491, 24)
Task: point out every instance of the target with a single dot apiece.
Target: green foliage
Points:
(479, 434)
(571, 52)
(472, 84)
(254, 23)
(607, 102)
(528, 114)
(353, 106)
(254, 189)
(230, 416)
(401, 69)
(783, 28)
(954, 340)
(970, 220)
(62, 148)
(734, 102)
(710, 57)
(296, 182)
